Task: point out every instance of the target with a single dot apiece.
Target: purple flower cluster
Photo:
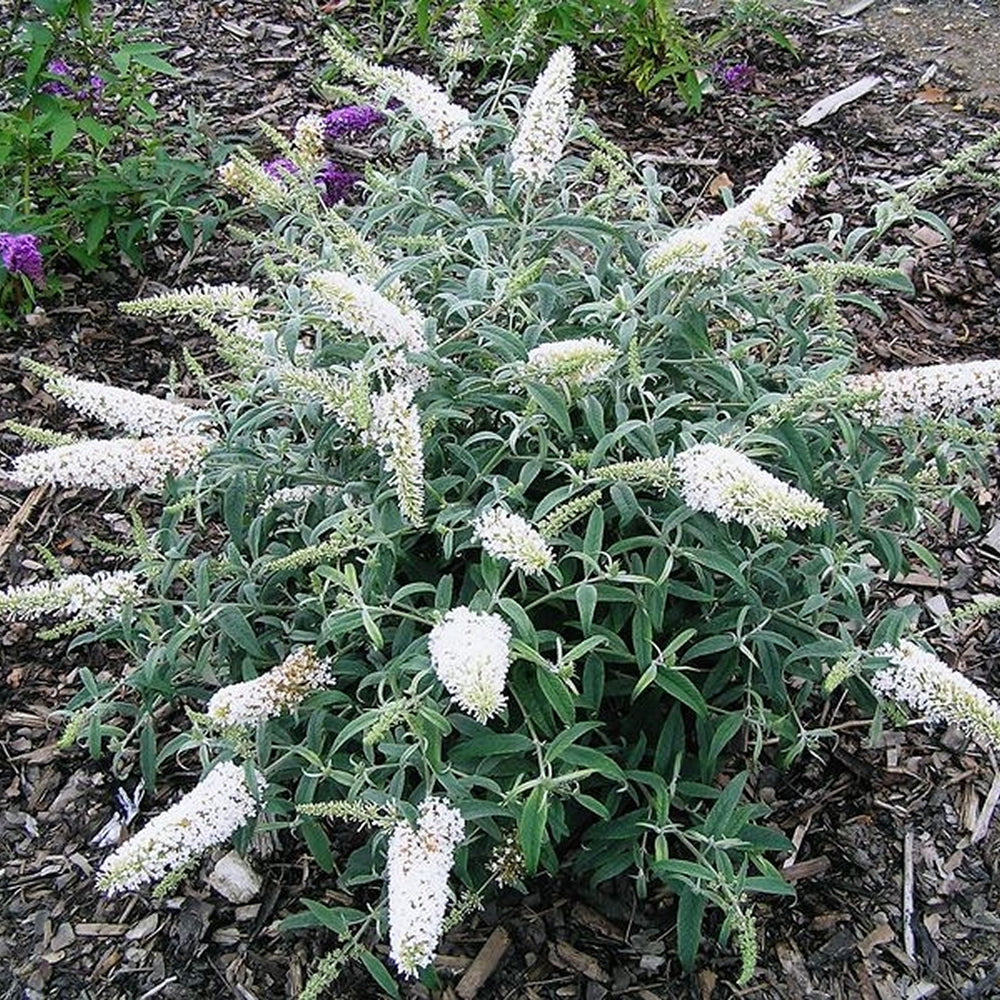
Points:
(71, 83)
(355, 119)
(335, 183)
(280, 168)
(736, 77)
(20, 253)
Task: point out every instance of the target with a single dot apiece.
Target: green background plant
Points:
(92, 171)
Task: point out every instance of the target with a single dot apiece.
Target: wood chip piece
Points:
(856, 8)
(835, 101)
(596, 922)
(100, 930)
(986, 815)
(565, 956)
(882, 934)
(484, 964)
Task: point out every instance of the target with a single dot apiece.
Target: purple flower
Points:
(739, 76)
(280, 168)
(351, 120)
(56, 89)
(21, 254)
(59, 67)
(335, 183)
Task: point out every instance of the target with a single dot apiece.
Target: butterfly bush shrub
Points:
(528, 520)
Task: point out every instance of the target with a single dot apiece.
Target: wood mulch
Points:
(896, 872)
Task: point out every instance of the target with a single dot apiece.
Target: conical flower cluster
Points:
(470, 653)
(715, 243)
(98, 598)
(570, 363)
(144, 463)
(278, 691)
(366, 312)
(930, 391)
(449, 125)
(309, 142)
(725, 483)
(134, 412)
(509, 536)
(247, 177)
(418, 865)
(919, 679)
(541, 135)
(461, 31)
(394, 432)
(208, 815)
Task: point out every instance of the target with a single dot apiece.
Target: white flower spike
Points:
(726, 483)
(278, 691)
(919, 679)
(418, 865)
(509, 536)
(107, 465)
(98, 598)
(541, 135)
(470, 653)
(208, 815)
(929, 391)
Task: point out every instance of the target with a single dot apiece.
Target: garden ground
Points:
(867, 819)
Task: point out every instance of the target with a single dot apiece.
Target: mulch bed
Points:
(866, 819)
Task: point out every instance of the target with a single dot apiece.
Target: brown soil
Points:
(861, 813)
(953, 42)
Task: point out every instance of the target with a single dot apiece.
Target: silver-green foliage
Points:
(661, 650)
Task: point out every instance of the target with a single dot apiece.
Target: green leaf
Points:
(338, 919)
(552, 404)
(557, 695)
(234, 506)
(715, 561)
(671, 680)
(97, 131)
(568, 736)
(718, 818)
(379, 973)
(233, 624)
(155, 63)
(594, 537)
(318, 843)
(489, 745)
(724, 732)
(147, 755)
(63, 130)
(586, 602)
(967, 509)
(690, 913)
(531, 827)
(97, 226)
(593, 759)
